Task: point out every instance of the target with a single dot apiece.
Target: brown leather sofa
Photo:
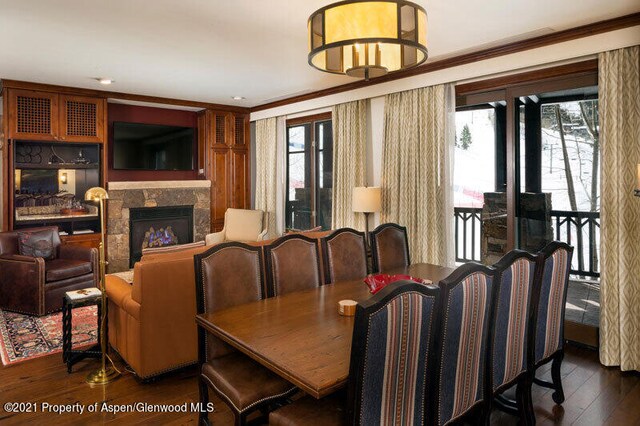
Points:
(35, 286)
(152, 321)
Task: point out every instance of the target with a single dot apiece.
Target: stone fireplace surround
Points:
(126, 195)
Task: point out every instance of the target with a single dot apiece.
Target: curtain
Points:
(419, 135)
(266, 176)
(349, 161)
(619, 109)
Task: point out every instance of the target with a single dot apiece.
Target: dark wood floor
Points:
(594, 395)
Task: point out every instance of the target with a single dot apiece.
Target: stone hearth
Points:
(126, 195)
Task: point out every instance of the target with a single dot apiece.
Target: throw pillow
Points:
(36, 244)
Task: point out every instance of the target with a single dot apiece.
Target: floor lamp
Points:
(104, 374)
(367, 200)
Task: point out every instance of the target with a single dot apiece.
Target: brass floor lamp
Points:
(104, 374)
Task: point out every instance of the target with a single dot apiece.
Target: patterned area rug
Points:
(24, 337)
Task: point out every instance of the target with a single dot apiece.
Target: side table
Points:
(77, 299)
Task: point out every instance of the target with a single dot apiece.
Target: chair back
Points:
(243, 225)
(462, 342)
(293, 264)
(227, 275)
(515, 279)
(554, 264)
(9, 240)
(392, 349)
(344, 255)
(389, 247)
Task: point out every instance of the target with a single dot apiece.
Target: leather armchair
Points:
(35, 286)
(240, 225)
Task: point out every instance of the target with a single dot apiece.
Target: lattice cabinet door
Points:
(33, 115)
(81, 119)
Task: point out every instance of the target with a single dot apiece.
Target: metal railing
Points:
(582, 231)
(579, 229)
(468, 226)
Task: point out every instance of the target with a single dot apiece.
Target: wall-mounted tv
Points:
(139, 146)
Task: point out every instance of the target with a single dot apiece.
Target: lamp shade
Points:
(367, 199)
(367, 38)
(96, 194)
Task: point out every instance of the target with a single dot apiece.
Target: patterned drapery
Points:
(619, 109)
(417, 166)
(266, 167)
(349, 161)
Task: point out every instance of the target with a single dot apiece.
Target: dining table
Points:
(301, 336)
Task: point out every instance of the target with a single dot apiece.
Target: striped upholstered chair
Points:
(554, 266)
(391, 355)
(389, 247)
(462, 341)
(515, 279)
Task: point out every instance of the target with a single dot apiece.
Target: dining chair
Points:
(389, 377)
(345, 255)
(389, 247)
(462, 341)
(227, 275)
(292, 264)
(509, 349)
(554, 266)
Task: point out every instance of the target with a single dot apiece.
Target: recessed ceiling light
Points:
(105, 81)
(238, 98)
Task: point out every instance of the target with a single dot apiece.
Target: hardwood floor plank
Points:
(595, 395)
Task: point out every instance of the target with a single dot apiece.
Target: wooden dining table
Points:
(301, 336)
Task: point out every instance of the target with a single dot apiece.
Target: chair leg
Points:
(558, 395)
(524, 401)
(203, 418)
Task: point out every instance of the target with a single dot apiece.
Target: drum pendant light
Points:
(367, 39)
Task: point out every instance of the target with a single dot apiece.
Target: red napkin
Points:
(380, 281)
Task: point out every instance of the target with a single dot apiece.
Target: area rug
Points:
(24, 337)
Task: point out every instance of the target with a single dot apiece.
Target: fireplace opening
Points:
(153, 227)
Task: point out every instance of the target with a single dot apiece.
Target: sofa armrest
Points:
(22, 284)
(119, 292)
(214, 238)
(86, 254)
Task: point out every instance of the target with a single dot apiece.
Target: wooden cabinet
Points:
(224, 138)
(33, 115)
(51, 116)
(81, 119)
(84, 240)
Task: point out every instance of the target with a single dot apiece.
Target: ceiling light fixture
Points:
(367, 39)
(238, 98)
(105, 81)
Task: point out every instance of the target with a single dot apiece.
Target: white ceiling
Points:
(211, 50)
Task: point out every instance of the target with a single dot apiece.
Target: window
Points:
(309, 172)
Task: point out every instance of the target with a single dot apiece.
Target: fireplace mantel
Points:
(124, 196)
(158, 184)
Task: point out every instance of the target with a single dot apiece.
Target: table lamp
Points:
(367, 200)
(104, 374)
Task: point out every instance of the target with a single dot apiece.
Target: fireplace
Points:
(152, 227)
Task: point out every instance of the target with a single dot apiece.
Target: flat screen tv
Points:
(152, 147)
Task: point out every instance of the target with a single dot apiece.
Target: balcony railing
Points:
(468, 224)
(579, 229)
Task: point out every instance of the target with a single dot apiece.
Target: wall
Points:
(150, 115)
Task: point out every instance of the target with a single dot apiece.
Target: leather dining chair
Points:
(509, 351)
(292, 264)
(345, 255)
(554, 266)
(462, 341)
(392, 349)
(389, 247)
(227, 275)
